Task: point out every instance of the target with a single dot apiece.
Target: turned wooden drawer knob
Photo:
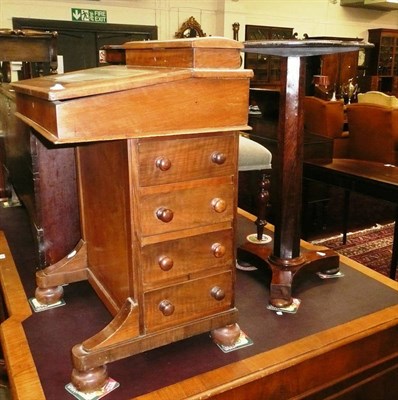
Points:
(219, 205)
(164, 214)
(166, 307)
(163, 163)
(218, 158)
(165, 263)
(217, 293)
(218, 250)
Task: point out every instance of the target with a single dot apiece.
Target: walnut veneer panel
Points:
(203, 58)
(166, 261)
(84, 118)
(116, 210)
(195, 157)
(191, 206)
(191, 300)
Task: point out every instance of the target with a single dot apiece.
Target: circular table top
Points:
(302, 48)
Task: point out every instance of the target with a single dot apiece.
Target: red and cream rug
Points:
(371, 247)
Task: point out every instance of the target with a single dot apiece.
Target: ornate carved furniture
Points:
(157, 181)
(190, 29)
(326, 118)
(373, 132)
(286, 259)
(30, 162)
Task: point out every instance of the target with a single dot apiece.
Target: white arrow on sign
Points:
(76, 14)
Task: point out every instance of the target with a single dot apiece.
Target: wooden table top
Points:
(387, 173)
(367, 177)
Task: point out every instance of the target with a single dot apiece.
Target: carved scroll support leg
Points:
(262, 204)
(284, 271)
(122, 338)
(89, 358)
(72, 268)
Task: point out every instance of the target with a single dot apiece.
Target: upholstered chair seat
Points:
(253, 156)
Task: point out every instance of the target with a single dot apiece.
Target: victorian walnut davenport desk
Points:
(157, 146)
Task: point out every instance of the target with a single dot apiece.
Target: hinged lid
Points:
(203, 52)
(95, 81)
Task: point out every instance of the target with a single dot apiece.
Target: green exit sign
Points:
(86, 15)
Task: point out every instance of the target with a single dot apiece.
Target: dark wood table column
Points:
(286, 260)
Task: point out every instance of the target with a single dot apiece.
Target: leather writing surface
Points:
(324, 305)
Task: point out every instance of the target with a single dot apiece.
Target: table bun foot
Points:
(50, 295)
(91, 380)
(227, 335)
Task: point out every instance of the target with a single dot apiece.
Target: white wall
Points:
(314, 17)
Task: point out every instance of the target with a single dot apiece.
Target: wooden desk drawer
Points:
(187, 256)
(175, 160)
(188, 208)
(177, 304)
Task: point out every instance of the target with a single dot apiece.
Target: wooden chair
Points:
(373, 137)
(326, 118)
(373, 132)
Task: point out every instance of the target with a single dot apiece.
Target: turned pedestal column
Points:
(286, 259)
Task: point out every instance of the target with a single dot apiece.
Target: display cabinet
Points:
(266, 68)
(383, 59)
(340, 67)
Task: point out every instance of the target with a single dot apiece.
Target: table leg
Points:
(394, 257)
(72, 268)
(122, 338)
(286, 260)
(346, 213)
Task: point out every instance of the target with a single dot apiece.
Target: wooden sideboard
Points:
(30, 164)
(341, 343)
(157, 147)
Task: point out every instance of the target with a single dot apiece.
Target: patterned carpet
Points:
(371, 247)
